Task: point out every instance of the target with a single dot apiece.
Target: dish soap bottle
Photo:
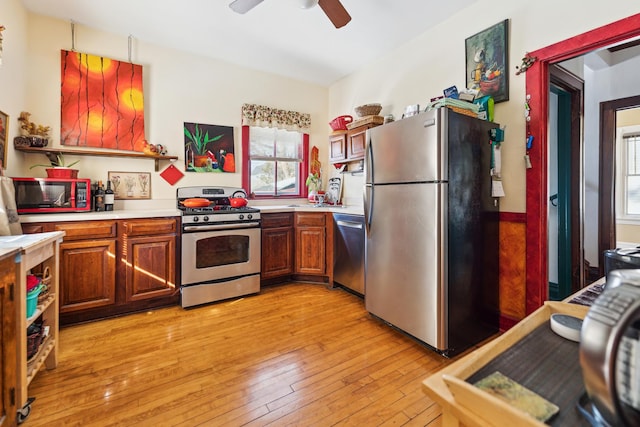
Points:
(108, 197)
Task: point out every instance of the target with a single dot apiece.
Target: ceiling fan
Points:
(332, 8)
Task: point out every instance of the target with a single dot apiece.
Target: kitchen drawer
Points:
(87, 229)
(275, 220)
(310, 219)
(148, 227)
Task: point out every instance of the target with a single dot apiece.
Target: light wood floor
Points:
(296, 354)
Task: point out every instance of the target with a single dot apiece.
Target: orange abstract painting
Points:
(101, 102)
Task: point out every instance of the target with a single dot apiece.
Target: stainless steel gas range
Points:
(220, 246)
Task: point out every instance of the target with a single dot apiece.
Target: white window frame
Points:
(621, 174)
(302, 162)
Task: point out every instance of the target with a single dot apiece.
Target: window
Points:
(629, 174)
(275, 162)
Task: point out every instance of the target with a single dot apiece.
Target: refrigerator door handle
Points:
(368, 206)
(368, 190)
(369, 162)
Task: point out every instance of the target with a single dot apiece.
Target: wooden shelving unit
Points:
(36, 251)
(52, 152)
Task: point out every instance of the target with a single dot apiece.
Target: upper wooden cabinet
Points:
(349, 146)
(338, 147)
(357, 142)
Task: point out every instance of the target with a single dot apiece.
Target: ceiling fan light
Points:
(307, 4)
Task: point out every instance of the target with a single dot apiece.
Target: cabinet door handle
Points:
(350, 224)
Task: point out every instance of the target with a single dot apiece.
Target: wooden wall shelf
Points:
(52, 152)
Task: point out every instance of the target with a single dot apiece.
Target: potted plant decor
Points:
(58, 168)
(313, 184)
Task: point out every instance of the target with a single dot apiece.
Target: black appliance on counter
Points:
(220, 246)
(621, 259)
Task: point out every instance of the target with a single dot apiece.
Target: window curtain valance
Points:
(260, 115)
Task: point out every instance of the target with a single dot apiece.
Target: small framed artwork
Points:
(487, 62)
(4, 134)
(130, 185)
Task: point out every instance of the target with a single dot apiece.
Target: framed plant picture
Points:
(4, 134)
(487, 62)
(130, 185)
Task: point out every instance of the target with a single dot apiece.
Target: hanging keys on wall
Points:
(529, 140)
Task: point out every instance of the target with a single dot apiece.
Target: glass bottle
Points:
(99, 198)
(109, 196)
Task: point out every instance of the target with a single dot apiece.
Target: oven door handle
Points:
(251, 224)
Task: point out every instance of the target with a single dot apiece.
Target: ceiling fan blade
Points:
(335, 12)
(244, 6)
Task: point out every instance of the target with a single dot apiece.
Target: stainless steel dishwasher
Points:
(348, 266)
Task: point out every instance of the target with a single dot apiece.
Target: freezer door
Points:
(405, 268)
(407, 150)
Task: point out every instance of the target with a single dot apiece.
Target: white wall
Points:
(424, 66)
(179, 87)
(183, 87)
(13, 80)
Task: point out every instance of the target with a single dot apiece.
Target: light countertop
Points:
(155, 213)
(353, 210)
(91, 216)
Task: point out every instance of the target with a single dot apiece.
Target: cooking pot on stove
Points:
(238, 202)
(196, 202)
(610, 351)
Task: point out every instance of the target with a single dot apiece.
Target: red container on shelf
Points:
(340, 122)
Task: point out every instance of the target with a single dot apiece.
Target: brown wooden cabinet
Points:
(277, 245)
(8, 329)
(87, 265)
(349, 146)
(114, 267)
(297, 246)
(310, 243)
(357, 142)
(338, 146)
(150, 249)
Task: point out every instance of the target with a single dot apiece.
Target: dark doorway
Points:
(567, 202)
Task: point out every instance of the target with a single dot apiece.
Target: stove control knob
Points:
(249, 216)
(196, 219)
(241, 216)
(205, 219)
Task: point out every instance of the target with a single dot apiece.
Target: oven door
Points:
(211, 256)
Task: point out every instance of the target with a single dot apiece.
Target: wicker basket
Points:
(45, 280)
(35, 335)
(368, 110)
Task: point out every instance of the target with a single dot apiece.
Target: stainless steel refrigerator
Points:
(431, 251)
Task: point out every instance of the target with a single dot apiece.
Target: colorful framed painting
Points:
(487, 62)
(4, 134)
(208, 148)
(130, 185)
(101, 102)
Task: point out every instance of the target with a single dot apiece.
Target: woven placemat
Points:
(548, 365)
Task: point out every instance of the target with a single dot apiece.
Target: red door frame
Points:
(537, 86)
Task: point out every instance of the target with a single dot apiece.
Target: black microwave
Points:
(52, 195)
